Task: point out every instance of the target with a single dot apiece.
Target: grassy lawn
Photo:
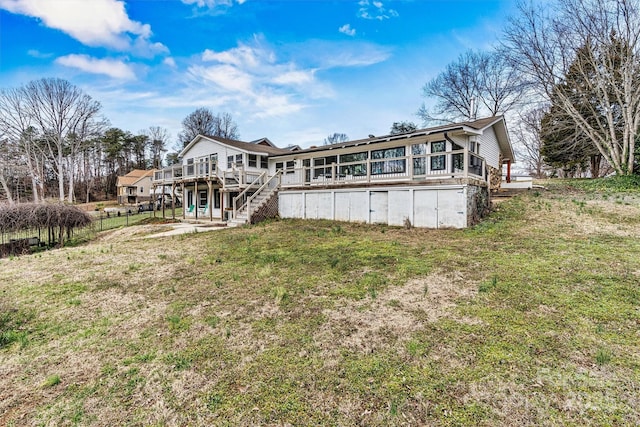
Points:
(530, 318)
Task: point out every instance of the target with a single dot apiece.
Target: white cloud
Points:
(375, 10)
(93, 23)
(170, 62)
(34, 53)
(109, 67)
(346, 29)
(324, 55)
(294, 77)
(242, 56)
(269, 104)
(253, 77)
(227, 77)
(212, 3)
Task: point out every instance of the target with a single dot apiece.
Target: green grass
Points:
(529, 318)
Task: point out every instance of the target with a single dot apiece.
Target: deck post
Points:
(184, 211)
(210, 199)
(509, 171)
(221, 192)
(173, 200)
(466, 160)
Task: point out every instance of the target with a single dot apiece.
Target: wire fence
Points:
(30, 240)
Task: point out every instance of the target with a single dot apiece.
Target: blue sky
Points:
(294, 71)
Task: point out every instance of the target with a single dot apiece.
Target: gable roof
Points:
(264, 141)
(251, 147)
(472, 127)
(133, 177)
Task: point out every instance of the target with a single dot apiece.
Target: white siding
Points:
(291, 205)
(425, 208)
(489, 148)
(452, 208)
(206, 147)
(433, 207)
(379, 207)
(399, 207)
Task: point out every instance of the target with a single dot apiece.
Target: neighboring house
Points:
(135, 187)
(436, 177)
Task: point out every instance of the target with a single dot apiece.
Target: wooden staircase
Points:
(253, 208)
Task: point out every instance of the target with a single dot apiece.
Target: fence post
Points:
(100, 221)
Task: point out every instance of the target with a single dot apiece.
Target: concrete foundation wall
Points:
(425, 207)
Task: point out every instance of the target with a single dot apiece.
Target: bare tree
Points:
(20, 137)
(158, 139)
(203, 122)
(59, 109)
(477, 82)
(226, 127)
(402, 127)
(529, 134)
(336, 138)
(5, 161)
(543, 43)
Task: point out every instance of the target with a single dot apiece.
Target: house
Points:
(435, 177)
(134, 187)
(215, 171)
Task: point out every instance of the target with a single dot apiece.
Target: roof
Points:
(472, 127)
(133, 177)
(264, 141)
(241, 145)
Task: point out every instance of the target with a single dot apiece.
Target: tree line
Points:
(569, 71)
(55, 143)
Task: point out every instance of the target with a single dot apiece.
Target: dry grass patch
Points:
(529, 318)
(393, 315)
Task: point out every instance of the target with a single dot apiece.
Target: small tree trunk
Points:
(595, 161)
(6, 189)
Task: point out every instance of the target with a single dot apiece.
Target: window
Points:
(438, 163)
(306, 163)
(290, 164)
(418, 149)
(420, 163)
(216, 199)
(322, 166)
(458, 162)
(190, 168)
(214, 162)
(238, 159)
(353, 168)
(279, 166)
(229, 162)
(203, 166)
(253, 160)
(202, 199)
(388, 166)
(264, 164)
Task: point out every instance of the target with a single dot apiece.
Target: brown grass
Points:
(311, 323)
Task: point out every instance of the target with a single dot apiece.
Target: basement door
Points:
(379, 207)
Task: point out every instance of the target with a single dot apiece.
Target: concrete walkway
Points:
(185, 227)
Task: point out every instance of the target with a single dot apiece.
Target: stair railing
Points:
(272, 184)
(243, 195)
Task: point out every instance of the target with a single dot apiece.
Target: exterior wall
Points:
(489, 148)
(422, 206)
(206, 147)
